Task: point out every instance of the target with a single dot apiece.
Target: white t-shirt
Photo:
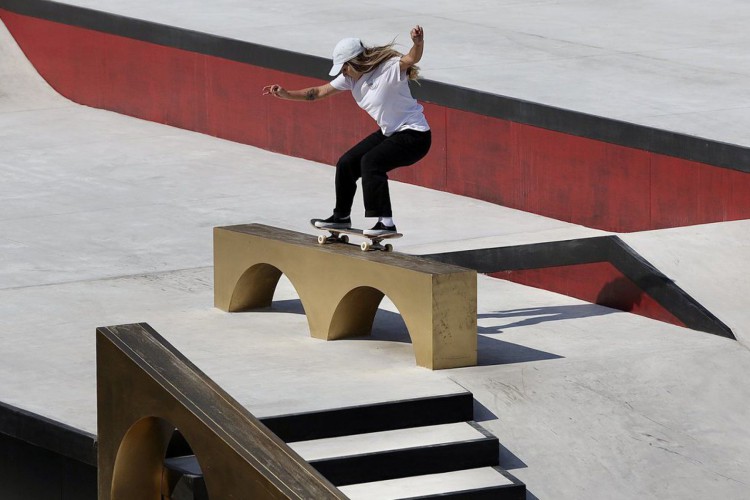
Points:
(384, 93)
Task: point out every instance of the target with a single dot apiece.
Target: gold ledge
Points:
(340, 288)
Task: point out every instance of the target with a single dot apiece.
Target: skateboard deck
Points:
(342, 236)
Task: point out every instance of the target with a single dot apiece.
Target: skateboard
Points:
(342, 236)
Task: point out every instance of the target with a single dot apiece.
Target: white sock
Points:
(388, 221)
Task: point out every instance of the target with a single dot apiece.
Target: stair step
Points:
(471, 484)
(376, 442)
(186, 465)
(408, 449)
(434, 410)
(400, 453)
(183, 478)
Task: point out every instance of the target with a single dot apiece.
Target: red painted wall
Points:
(598, 283)
(557, 175)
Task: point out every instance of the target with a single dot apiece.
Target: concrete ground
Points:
(106, 219)
(708, 262)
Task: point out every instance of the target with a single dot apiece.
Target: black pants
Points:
(372, 159)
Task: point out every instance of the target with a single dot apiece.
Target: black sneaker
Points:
(380, 229)
(334, 222)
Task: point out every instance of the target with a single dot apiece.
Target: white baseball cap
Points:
(346, 50)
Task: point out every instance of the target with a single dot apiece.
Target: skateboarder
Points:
(378, 80)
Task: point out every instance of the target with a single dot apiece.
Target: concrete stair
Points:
(387, 455)
(483, 483)
(422, 448)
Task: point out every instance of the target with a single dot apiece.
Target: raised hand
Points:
(417, 34)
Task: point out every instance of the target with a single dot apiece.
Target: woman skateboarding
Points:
(378, 78)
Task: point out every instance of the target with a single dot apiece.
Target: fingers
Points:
(417, 33)
(274, 90)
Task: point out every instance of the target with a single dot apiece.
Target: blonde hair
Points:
(372, 57)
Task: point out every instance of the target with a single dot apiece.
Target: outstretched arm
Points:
(415, 54)
(308, 94)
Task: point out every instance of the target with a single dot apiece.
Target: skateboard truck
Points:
(373, 244)
(342, 236)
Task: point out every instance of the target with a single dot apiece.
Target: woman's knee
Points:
(347, 168)
(348, 161)
(372, 165)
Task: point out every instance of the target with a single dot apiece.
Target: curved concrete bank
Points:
(571, 166)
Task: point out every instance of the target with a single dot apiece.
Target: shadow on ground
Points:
(507, 460)
(390, 327)
(538, 315)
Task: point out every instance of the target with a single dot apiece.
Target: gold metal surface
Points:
(146, 389)
(340, 288)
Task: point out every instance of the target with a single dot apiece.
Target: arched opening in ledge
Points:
(286, 299)
(183, 475)
(154, 460)
(264, 286)
(389, 324)
(359, 313)
(255, 288)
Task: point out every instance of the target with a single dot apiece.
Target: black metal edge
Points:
(506, 492)
(408, 462)
(430, 410)
(531, 256)
(591, 250)
(48, 434)
(172, 36)
(610, 130)
(664, 290)
(575, 123)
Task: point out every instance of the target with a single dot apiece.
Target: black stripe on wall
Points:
(507, 108)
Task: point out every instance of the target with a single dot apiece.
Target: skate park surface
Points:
(107, 219)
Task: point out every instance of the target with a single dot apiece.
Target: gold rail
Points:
(146, 389)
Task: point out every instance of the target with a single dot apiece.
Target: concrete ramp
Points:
(21, 87)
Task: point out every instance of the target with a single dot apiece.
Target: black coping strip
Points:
(171, 36)
(430, 410)
(48, 434)
(587, 251)
(515, 491)
(712, 152)
(407, 462)
(664, 290)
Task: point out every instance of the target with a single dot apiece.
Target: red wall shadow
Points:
(599, 283)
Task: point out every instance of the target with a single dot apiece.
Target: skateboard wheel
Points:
(388, 247)
(365, 246)
(344, 238)
(321, 239)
